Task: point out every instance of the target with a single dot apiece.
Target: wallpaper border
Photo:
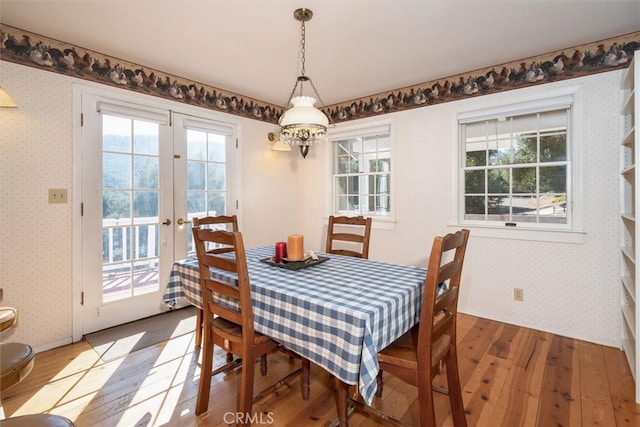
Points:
(30, 49)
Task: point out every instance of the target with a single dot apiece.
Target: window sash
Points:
(495, 201)
(362, 171)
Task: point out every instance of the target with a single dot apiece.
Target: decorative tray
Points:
(295, 265)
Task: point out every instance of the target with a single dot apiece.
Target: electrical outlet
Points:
(518, 294)
(57, 195)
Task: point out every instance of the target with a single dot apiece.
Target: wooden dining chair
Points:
(418, 356)
(228, 223)
(348, 231)
(231, 329)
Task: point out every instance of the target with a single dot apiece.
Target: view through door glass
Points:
(130, 196)
(206, 173)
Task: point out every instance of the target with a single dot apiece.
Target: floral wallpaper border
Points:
(596, 57)
(23, 47)
(33, 50)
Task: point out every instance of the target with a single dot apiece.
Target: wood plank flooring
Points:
(511, 376)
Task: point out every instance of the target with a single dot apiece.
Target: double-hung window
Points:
(517, 166)
(362, 170)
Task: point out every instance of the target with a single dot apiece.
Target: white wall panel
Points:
(36, 140)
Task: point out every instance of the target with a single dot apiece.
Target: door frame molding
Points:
(125, 96)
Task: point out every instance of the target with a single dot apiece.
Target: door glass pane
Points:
(130, 206)
(206, 177)
(145, 172)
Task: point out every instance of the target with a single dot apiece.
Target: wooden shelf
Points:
(627, 104)
(628, 217)
(630, 351)
(629, 252)
(628, 140)
(630, 286)
(630, 319)
(629, 170)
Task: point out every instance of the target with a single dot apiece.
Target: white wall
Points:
(569, 289)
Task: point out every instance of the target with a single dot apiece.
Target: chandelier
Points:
(303, 124)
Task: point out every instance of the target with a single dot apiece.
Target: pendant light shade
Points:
(303, 124)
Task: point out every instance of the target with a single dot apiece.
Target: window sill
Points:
(378, 223)
(555, 236)
(383, 223)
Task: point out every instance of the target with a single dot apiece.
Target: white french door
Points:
(205, 169)
(146, 172)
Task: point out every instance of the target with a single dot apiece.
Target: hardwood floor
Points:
(511, 376)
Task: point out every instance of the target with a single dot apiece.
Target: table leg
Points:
(306, 368)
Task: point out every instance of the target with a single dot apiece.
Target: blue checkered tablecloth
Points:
(338, 314)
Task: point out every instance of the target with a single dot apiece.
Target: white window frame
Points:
(527, 103)
(364, 129)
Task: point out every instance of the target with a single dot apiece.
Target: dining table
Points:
(338, 313)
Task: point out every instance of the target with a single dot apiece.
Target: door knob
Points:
(182, 221)
(166, 222)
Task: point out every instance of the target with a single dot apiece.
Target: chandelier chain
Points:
(319, 99)
(302, 48)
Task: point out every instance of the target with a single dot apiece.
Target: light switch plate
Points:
(57, 195)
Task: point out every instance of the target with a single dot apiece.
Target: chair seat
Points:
(404, 351)
(8, 317)
(16, 361)
(37, 420)
(230, 330)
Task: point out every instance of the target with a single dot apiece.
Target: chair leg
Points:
(204, 387)
(199, 326)
(427, 415)
(455, 393)
(263, 365)
(245, 403)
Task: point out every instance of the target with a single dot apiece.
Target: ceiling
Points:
(353, 48)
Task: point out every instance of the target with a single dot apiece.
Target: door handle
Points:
(182, 221)
(166, 222)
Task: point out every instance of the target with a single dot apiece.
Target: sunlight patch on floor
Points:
(84, 360)
(62, 391)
